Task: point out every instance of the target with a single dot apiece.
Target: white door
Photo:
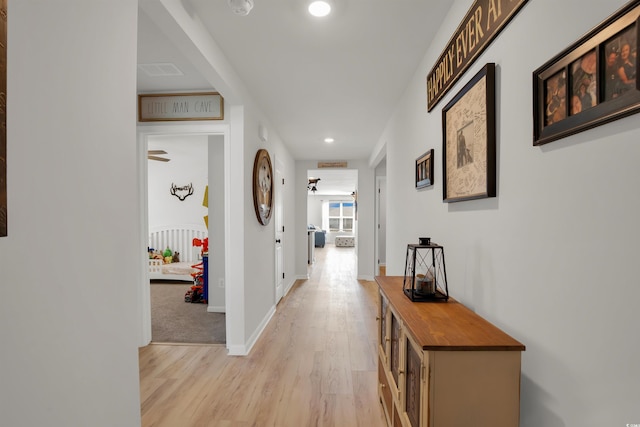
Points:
(279, 231)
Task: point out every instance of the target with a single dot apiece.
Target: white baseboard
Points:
(288, 288)
(369, 278)
(236, 350)
(243, 350)
(216, 309)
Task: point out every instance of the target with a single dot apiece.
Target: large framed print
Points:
(469, 140)
(591, 82)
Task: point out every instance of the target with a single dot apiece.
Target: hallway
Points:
(315, 363)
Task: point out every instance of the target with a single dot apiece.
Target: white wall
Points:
(553, 259)
(217, 256)
(188, 165)
(260, 239)
(68, 316)
(314, 209)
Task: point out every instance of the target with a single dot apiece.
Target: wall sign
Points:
(159, 107)
(482, 23)
(323, 165)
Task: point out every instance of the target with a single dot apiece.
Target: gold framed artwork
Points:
(162, 107)
(263, 186)
(591, 82)
(469, 140)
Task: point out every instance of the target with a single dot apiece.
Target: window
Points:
(341, 215)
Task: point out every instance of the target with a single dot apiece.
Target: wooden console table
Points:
(442, 365)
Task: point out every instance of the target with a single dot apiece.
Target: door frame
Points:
(379, 181)
(143, 134)
(279, 221)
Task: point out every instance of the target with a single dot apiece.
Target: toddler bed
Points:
(178, 238)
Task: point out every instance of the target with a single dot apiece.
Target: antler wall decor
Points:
(181, 192)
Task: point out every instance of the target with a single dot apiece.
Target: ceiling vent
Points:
(160, 69)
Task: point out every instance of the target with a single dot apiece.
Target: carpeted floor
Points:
(176, 321)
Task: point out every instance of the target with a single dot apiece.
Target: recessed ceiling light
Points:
(319, 8)
(329, 140)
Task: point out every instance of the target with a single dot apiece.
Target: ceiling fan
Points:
(155, 155)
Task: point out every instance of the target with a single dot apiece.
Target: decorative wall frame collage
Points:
(591, 82)
(468, 121)
(469, 140)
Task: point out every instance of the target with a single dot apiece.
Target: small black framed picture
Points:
(424, 170)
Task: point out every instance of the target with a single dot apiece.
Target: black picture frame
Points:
(424, 170)
(469, 140)
(582, 87)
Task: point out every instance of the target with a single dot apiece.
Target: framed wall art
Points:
(424, 170)
(263, 186)
(469, 140)
(591, 82)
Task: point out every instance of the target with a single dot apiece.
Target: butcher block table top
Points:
(444, 326)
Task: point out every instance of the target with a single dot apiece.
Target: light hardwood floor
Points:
(314, 365)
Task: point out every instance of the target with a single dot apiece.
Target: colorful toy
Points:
(196, 293)
(202, 242)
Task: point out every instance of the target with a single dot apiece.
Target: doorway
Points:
(182, 195)
(332, 213)
(179, 219)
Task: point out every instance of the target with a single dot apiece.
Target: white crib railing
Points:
(178, 238)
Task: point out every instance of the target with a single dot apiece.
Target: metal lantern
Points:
(425, 276)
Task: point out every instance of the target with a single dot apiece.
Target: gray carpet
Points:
(176, 321)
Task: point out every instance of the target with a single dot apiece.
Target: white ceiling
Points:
(339, 76)
(341, 182)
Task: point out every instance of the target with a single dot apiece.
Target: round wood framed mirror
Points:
(263, 186)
